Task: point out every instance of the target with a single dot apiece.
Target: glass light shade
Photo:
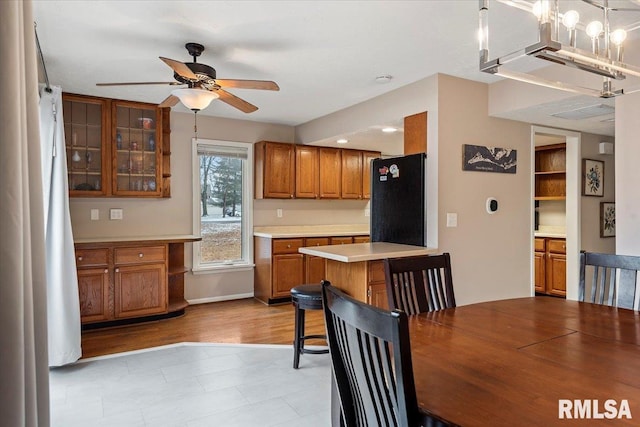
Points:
(618, 36)
(195, 99)
(570, 19)
(541, 10)
(594, 29)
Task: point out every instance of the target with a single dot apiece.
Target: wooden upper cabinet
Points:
(351, 174)
(550, 172)
(367, 157)
(116, 148)
(307, 183)
(330, 165)
(86, 127)
(275, 170)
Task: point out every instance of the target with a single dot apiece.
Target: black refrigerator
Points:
(398, 200)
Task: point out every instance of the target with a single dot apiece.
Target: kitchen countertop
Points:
(283, 231)
(357, 252)
(549, 234)
(167, 238)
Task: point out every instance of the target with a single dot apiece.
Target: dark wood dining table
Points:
(510, 362)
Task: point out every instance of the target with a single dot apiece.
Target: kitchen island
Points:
(358, 269)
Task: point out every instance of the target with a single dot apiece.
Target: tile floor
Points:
(193, 385)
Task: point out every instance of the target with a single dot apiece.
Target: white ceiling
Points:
(325, 55)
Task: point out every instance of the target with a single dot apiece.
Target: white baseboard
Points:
(220, 298)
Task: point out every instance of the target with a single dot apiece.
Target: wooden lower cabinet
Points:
(376, 286)
(279, 266)
(288, 271)
(93, 290)
(140, 290)
(550, 266)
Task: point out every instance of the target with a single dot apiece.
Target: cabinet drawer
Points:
(539, 245)
(140, 254)
(341, 240)
(361, 239)
(316, 241)
(287, 246)
(558, 246)
(91, 257)
(376, 272)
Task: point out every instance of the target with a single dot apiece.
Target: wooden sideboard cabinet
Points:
(120, 280)
(550, 266)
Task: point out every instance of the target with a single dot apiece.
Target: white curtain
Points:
(24, 374)
(63, 307)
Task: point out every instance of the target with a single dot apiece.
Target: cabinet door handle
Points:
(117, 270)
(106, 270)
(140, 255)
(288, 246)
(79, 258)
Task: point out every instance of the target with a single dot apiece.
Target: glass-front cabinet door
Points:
(137, 153)
(85, 129)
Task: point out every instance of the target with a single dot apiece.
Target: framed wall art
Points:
(607, 219)
(592, 178)
(488, 159)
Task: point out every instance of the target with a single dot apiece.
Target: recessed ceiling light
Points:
(384, 79)
(389, 129)
(342, 141)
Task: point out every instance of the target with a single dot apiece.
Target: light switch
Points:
(367, 212)
(95, 214)
(115, 214)
(452, 219)
(279, 213)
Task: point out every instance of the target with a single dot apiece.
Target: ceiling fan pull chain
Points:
(195, 124)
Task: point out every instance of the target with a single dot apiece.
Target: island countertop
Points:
(358, 252)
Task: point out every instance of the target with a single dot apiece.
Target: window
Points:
(222, 202)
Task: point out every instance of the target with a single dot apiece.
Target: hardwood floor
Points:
(245, 321)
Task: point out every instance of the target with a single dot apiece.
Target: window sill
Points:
(222, 268)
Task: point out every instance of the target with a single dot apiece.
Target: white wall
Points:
(627, 175)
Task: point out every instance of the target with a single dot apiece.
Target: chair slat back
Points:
(419, 284)
(613, 279)
(371, 357)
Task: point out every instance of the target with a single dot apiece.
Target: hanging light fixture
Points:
(195, 99)
(603, 57)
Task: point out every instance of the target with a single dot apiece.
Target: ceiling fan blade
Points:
(180, 68)
(248, 84)
(138, 83)
(169, 101)
(236, 102)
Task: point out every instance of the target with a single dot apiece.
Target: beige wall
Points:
(144, 217)
(310, 212)
(590, 206)
(490, 254)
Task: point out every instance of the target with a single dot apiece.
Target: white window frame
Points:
(198, 267)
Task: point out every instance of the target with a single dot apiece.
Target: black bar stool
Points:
(305, 297)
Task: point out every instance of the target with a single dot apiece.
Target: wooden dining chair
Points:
(419, 284)
(612, 279)
(371, 358)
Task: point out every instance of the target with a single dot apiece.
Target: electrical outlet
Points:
(279, 213)
(367, 212)
(95, 214)
(452, 219)
(115, 214)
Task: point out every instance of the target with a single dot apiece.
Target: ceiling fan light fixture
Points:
(195, 99)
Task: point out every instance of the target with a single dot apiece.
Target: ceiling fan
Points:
(203, 86)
